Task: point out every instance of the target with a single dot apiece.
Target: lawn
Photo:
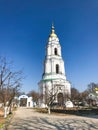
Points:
(2, 119)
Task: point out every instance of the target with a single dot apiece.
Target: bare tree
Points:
(35, 96)
(91, 87)
(83, 95)
(92, 93)
(10, 83)
(74, 95)
(50, 96)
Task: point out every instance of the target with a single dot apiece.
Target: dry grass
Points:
(41, 110)
(1, 112)
(2, 120)
(70, 111)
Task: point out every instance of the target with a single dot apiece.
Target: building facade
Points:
(54, 76)
(25, 101)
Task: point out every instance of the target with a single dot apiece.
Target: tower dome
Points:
(52, 36)
(53, 32)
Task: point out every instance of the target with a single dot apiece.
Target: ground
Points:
(29, 119)
(2, 120)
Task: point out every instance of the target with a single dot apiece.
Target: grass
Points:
(3, 120)
(41, 110)
(69, 111)
(77, 111)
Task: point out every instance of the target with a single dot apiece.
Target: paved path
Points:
(28, 119)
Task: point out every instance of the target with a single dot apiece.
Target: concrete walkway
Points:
(28, 119)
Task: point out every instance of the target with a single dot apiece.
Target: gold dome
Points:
(53, 32)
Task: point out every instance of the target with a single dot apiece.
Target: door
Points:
(60, 99)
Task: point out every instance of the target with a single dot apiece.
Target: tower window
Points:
(55, 51)
(57, 68)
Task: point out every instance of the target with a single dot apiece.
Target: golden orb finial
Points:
(53, 31)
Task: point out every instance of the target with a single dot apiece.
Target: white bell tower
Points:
(54, 72)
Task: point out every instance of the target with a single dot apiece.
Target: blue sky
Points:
(24, 29)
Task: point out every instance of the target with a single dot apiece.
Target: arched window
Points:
(55, 51)
(57, 68)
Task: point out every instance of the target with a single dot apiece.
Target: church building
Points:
(54, 76)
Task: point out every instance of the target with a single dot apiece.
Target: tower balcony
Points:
(47, 76)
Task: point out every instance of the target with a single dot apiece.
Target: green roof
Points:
(45, 80)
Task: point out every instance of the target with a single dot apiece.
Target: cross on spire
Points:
(53, 28)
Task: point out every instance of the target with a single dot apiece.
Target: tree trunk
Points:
(10, 109)
(5, 111)
(49, 110)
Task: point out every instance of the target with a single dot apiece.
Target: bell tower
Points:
(54, 72)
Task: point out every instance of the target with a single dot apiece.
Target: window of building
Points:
(57, 68)
(55, 51)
